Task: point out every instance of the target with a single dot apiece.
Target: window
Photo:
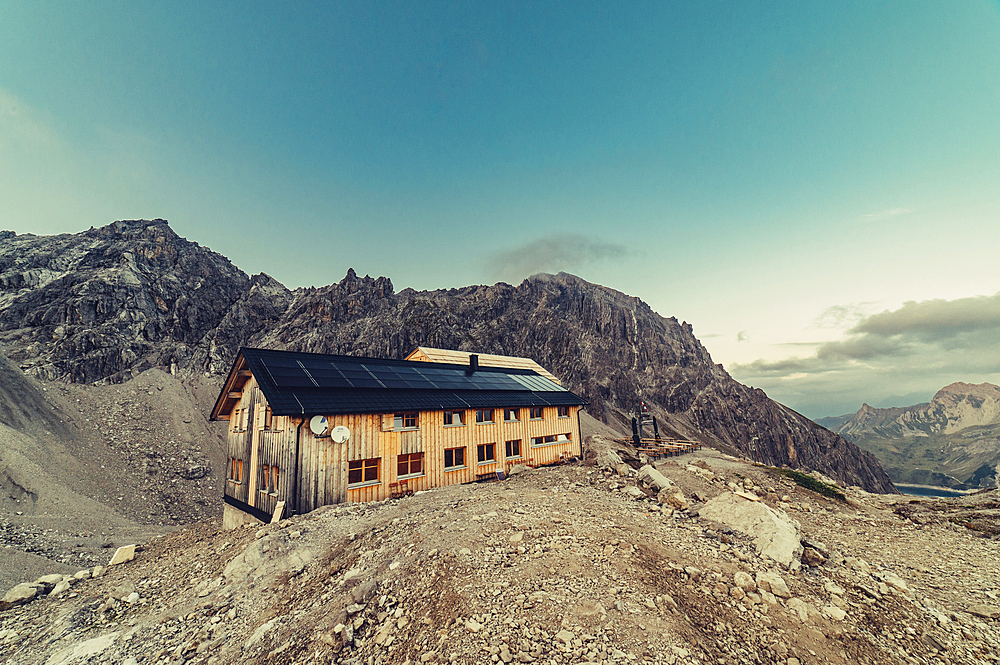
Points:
(484, 415)
(513, 448)
(550, 439)
(405, 421)
(267, 417)
(411, 464)
(511, 415)
(487, 453)
(363, 471)
(269, 480)
(455, 418)
(454, 458)
(236, 469)
(536, 413)
(564, 412)
(239, 419)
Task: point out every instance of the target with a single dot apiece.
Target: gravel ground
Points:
(554, 565)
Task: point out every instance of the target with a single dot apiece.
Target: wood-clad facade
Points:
(276, 458)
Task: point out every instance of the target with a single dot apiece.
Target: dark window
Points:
(454, 457)
(564, 412)
(536, 413)
(362, 471)
(405, 421)
(268, 480)
(236, 469)
(486, 453)
(454, 417)
(484, 415)
(511, 415)
(550, 438)
(514, 448)
(409, 464)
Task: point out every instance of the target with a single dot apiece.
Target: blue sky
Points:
(779, 174)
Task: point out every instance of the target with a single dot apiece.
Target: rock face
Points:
(951, 441)
(109, 303)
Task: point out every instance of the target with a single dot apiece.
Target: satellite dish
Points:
(319, 425)
(340, 434)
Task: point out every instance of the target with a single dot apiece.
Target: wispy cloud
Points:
(553, 253)
(920, 346)
(21, 124)
(742, 336)
(883, 215)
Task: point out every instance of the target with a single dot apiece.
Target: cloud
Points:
(883, 215)
(917, 348)
(742, 336)
(20, 124)
(935, 320)
(836, 316)
(553, 253)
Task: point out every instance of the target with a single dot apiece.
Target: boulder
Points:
(773, 583)
(673, 497)
(19, 595)
(774, 534)
(653, 479)
(122, 555)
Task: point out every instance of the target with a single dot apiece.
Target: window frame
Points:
(366, 465)
(399, 421)
(270, 478)
(551, 440)
(507, 449)
(481, 452)
(235, 470)
(268, 419)
(536, 409)
(450, 415)
(516, 413)
(481, 415)
(562, 411)
(454, 467)
(408, 459)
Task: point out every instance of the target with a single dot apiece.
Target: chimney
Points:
(473, 362)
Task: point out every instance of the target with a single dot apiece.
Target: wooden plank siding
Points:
(322, 464)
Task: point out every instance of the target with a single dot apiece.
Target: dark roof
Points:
(312, 383)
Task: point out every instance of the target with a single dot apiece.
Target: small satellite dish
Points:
(319, 425)
(340, 434)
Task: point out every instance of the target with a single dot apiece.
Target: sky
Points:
(815, 187)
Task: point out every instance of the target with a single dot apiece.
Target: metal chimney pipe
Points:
(473, 362)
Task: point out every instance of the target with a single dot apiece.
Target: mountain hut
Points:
(312, 429)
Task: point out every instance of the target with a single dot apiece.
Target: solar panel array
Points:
(318, 383)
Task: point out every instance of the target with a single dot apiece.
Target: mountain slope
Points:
(952, 441)
(106, 304)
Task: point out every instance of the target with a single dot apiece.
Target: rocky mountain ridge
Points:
(109, 303)
(952, 441)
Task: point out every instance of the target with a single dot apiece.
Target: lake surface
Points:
(922, 490)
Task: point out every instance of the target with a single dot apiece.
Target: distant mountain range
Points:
(951, 441)
(106, 304)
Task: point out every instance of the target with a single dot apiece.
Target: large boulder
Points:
(774, 534)
(19, 595)
(673, 497)
(653, 479)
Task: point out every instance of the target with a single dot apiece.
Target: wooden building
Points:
(311, 429)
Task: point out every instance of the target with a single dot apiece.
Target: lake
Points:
(922, 490)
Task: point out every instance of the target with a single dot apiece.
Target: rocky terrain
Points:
(952, 441)
(86, 468)
(105, 305)
(580, 563)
